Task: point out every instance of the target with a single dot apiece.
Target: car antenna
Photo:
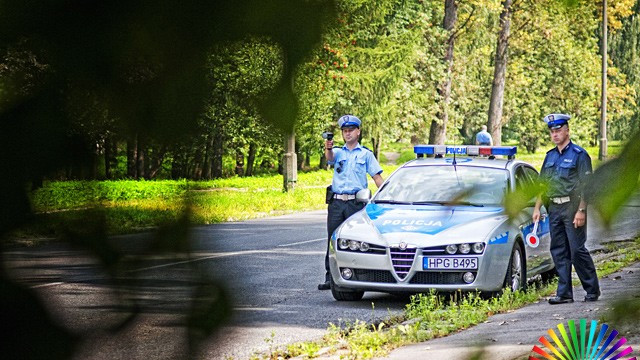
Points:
(455, 168)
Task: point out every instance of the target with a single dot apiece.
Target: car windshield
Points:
(445, 184)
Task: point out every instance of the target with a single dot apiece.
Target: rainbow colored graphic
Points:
(591, 348)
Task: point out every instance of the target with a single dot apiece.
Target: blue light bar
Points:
(424, 149)
(441, 150)
(504, 150)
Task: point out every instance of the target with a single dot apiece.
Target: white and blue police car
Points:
(439, 223)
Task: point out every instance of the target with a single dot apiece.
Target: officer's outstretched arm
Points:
(536, 210)
(377, 178)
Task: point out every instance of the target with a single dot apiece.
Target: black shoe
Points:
(324, 286)
(560, 300)
(591, 297)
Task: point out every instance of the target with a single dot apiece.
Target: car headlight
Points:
(452, 249)
(478, 248)
(364, 247)
(354, 245)
(343, 243)
(464, 248)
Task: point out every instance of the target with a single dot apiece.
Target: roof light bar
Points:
(441, 150)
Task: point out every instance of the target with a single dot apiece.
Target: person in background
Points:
(352, 162)
(483, 137)
(565, 169)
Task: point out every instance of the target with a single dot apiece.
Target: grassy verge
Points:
(428, 316)
(129, 206)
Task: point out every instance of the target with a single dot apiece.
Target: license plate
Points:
(449, 263)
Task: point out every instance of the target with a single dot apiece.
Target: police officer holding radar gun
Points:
(566, 168)
(351, 164)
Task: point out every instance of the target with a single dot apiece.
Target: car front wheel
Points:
(342, 294)
(516, 278)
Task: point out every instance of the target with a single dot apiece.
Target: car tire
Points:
(516, 277)
(342, 294)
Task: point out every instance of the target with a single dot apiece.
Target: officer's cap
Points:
(555, 121)
(348, 120)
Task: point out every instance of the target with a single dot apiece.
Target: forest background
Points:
(413, 71)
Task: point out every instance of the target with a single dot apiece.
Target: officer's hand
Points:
(328, 144)
(579, 219)
(536, 215)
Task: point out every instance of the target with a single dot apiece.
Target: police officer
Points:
(351, 164)
(483, 137)
(566, 168)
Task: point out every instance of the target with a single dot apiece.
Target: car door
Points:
(537, 252)
(543, 233)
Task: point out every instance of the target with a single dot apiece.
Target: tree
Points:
(494, 123)
(438, 130)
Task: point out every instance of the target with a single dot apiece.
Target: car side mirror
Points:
(363, 195)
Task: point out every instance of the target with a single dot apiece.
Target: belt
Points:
(560, 200)
(344, 197)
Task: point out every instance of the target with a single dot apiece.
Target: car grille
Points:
(437, 278)
(402, 260)
(377, 276)
(435, 250)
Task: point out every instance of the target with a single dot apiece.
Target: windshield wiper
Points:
(445, 203)
(467, 203)
(392, 202)
(431, 203)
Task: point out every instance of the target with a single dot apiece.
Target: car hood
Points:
(422, 225)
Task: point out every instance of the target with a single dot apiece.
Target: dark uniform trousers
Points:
(567, 247)
(338, 212)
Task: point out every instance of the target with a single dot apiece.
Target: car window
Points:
(446, 183)
(521, 177)
(531, 172)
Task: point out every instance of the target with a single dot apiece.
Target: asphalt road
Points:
(271, 267)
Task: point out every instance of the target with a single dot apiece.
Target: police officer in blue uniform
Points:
(351, 164)
(566, 168)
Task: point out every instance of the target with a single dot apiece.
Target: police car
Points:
(439, 223)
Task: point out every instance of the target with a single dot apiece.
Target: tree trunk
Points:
(494, 124)
(438, 130)
(376, 140)
(323, 162)
(197, 164)
(95, 157)
(107, 158)
(251, 158)
(177, 164)
(218, 152)
(155, 163)
(132, 155)
(239, 162)
(307, 159)
(140, 158)
(206, 172)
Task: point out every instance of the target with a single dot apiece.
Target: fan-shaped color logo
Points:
(596, 343)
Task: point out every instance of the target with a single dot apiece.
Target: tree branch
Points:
(464, 25)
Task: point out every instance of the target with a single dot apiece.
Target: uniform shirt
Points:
(483, 138)
(566, 171)
(350, 169)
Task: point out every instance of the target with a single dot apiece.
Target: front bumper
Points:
(376, 272)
